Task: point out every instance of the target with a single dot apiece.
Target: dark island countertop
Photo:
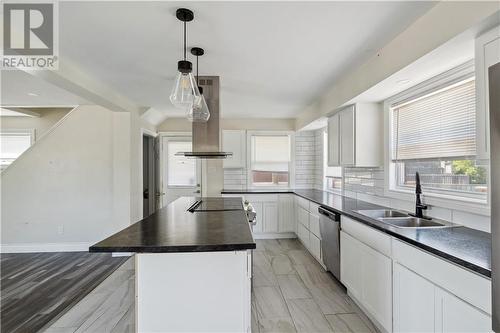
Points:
(174, 229)
(460, 245)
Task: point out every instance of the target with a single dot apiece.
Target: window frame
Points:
(448, 199)
(26, 131)
(325, 166)
(291, 164)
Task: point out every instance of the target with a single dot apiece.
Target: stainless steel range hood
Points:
(206, 135)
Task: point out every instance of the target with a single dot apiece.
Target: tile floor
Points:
(291, 293)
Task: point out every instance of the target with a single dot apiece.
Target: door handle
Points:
(197, 191)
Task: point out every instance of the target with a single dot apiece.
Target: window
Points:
(435, 135)
(12, 144)
(270, 160)
(181, 171)
(333, 175)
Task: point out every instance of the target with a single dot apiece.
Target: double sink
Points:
(403, 220)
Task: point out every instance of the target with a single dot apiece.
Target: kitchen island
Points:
(193, 266)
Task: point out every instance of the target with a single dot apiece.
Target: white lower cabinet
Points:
(413, 302)
(421, 306)
(286, 213)
(376, 281)
(275, 214)
(367, 274)
(303, 235)
(454, 315)
(270, 216)
(350, 267)
(315, 246)
(308, 227)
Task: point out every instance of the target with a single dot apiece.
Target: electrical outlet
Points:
(60, 230)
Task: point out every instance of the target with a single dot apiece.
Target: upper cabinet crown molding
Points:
(487, 53)
(355, 136)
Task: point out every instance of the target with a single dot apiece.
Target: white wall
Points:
(48, 118)
(441, 23)
(70, 188)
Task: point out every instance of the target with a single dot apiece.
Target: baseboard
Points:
(274, 235)
(45, 247)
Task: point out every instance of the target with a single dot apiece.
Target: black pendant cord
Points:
(185, 40)
(197, 74)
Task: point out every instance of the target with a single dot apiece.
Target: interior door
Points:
(181, 176)
(149, 182)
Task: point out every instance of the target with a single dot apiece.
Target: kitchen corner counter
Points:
(460, 245)
(174, 229)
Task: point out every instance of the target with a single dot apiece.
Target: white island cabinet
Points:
(193, 266)
(193, 292)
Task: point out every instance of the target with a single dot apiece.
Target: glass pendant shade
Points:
(199, 112)
(185, 91)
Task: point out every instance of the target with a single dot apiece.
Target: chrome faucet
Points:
(419, 206)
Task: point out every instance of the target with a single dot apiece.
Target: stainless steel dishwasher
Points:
(329, 224)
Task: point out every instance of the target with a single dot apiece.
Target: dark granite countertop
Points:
(463, 246)
(174, 229)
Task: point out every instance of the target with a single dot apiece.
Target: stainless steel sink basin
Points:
(415, 222)
(382, 213)
(403, 220)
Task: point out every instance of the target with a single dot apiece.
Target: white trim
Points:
(145, 131)
(438, 199)
(161, 134)
(291, 164)
(45, 247)
(274, 235)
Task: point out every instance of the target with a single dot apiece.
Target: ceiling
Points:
(22, 89)
(274, 58)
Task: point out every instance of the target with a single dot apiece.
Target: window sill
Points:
(471, 205)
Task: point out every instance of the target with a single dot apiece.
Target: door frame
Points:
(147, 132)
(162, 135)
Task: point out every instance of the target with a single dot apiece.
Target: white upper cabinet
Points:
(355, 136)
(347, 136)
(234, 141)
(333, 140)
(487, 54)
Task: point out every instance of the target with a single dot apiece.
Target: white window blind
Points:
(438, 125)
(270, 153)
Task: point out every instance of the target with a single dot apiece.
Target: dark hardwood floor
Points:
(37, 288)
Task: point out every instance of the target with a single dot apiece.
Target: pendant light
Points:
(185, 90)
(199, 111)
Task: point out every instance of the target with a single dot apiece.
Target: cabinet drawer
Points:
(466, 285)
(301, 202)
(303, 217)
(314, 225)
(313, 208)
(303, 235)
(367, 235)
(315, 246)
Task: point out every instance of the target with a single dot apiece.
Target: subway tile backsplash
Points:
(365, 184)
